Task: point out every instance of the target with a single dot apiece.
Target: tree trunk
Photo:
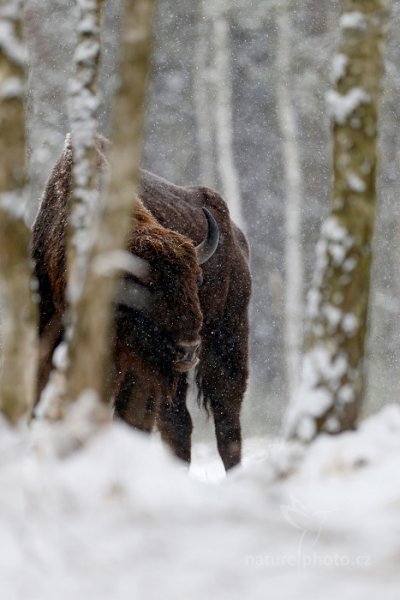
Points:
(224, 118)
(83, 104)
(202, 97)
(212, 81)
(333, 377)
(19, 313)
(49, 26)
(293, 187)
(84, 208)
(90, 358)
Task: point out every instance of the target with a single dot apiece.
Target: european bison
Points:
(193, 316)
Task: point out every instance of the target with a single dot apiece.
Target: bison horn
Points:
(208, 246)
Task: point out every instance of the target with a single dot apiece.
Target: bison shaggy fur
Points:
(195, 316)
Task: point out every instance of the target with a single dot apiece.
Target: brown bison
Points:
(189, 312)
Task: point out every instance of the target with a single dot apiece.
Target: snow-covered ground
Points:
(122, 519)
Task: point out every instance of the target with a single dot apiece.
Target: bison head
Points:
(159, 315)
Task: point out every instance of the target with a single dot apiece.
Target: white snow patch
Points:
(10, 44)
(335, 240)
(87, 52)
(342, 106)
(322, 372)
(333, 315)
(350, 264)
(120, 260)
(353, 20)
(321, 364)
(316, 400)
(60, 356)
(313, 302)
(346, 394)
(13, 87)
(338, 253)
(355, 183)
(339, 66)
(332, 425)
(332, 230)
(306, 428)
(102, 521)
(349, 324)
(320, 252)
(87, 24)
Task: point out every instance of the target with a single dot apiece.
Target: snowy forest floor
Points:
(122, 519)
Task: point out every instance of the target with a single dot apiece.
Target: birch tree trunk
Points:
(83, 105)
(212, 84)
(202, 96)
(90, 358)
(84, 207)
(49, 26)
(224, 117)
(18, 311)
(333, 378)
(293, 202)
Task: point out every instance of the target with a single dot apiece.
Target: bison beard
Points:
(157, 342)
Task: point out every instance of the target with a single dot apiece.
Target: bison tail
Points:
(202, 400)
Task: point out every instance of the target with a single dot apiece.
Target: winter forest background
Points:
(237, 101)
(225, 77)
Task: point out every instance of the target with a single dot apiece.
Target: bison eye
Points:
(200, 279)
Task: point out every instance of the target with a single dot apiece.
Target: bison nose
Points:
(186, 356)
(187, 352)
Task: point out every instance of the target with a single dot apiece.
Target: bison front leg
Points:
(174, 422)
(50, 337)
(135, 402)
(227, 430)
(222, 379)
